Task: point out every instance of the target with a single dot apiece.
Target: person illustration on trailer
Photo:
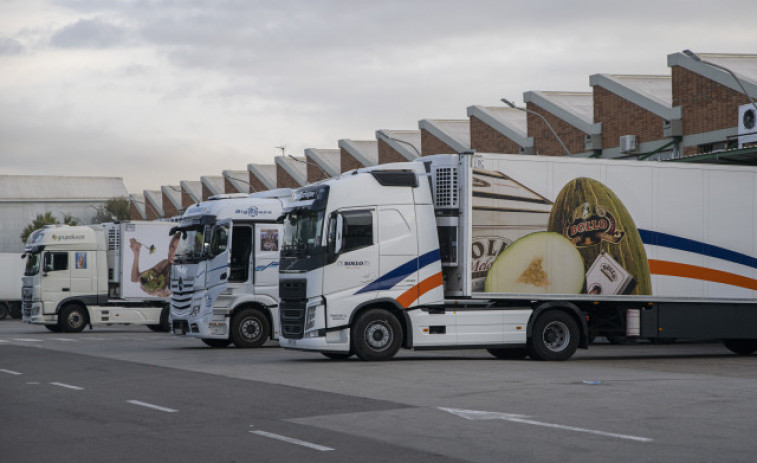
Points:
(154, 281)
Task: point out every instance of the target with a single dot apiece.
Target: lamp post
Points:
(696, 57)
(406, 143)
(549, 126)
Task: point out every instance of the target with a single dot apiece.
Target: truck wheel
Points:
(216, 342)
(555, 336)
(249, 328)
(741, 346)
(509, 353)
(163, 326)
(53, 328)
(377, 335)
(72, 318)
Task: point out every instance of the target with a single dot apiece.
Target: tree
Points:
(115, 209)
(46, 219)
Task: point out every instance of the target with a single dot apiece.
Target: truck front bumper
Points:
(333, 341)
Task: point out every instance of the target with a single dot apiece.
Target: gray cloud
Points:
(10, 46)
(89, 33)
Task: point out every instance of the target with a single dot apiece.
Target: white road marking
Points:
(480, 415)
(68, 386)
(289, 440)
(27, 340)
(11, 372)
(154, 407)
(64, 339)
(4, 340)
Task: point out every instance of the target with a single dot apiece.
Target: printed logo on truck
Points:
(253, 211)
(590, 225)
(354, 264)
(67, 237)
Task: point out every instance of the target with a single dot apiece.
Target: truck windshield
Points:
(302, 230)
(192, 245)
(32, 263)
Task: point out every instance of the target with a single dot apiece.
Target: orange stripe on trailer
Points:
(674, 269)
(412, 294)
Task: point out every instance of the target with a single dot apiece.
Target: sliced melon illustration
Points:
(538, 263)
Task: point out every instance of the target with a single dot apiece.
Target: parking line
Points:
(289, 440)
(27, 340)
(68, 386)
(154, 407)
(11, 372)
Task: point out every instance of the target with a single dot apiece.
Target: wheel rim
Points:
(556, 336)
(250, 329)
(378, 335)
(75, 319)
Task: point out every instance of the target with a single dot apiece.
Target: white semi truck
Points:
(109, 274)
(520, 255)
(225, 280)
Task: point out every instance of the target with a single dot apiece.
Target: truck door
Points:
(219, 255)
(354, 262)
(83, 272)
(266, 258)
(56, 279)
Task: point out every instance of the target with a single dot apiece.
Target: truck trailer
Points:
(520, 255)
(11, 271)
(225, 280)
(109, 274)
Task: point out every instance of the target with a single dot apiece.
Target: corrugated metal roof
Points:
(173, 193)
(454, 133)
(193, 188)
(296, 168)
(330, 160)
(400, 141)
(266, 173)
(364, 151)
(213, 183)
(56, 188)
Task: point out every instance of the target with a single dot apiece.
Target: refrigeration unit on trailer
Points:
(520, 255)
(225, 281)
(114, 273)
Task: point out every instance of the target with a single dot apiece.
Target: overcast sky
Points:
(162, 91)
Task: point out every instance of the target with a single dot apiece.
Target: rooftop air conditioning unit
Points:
(629, 144)
(747, 125)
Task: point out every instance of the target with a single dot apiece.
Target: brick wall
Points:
(430, 144)
(545, 143)
(284, 180)
(387, 154)
(622, 117)
(150, 212)
(229, 187)
(256, 184)
(347, 161)
(186, 200)
(485, 139)
(168, 208)
(705, 104)
(206, 193)
(314, 172)
(133, 212)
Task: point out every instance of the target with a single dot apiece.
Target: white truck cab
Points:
(225, 277)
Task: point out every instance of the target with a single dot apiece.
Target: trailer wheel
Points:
(509, 353)
(249, 328)
(377, 335)
(741, 346)
(4, 311)
(216, 342)
(555, 336)
(163, 326)
(72, 318)
(53, 328)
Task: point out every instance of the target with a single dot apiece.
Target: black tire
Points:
(72, 318)
(337, 355)
(509, 353)
(555, 336)
(53, 328)
(376, 335)
(216, 342)
(4, 311)
(741, 346)
(249, 328)
(164, 326)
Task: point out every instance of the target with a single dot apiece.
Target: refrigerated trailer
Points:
(109, 274)
(520, 255)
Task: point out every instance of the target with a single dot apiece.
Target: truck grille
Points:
(292, 317)
(181, 293)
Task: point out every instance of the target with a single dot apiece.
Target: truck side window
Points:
(55, 261)
(219, 240)
(357, 231)
(241, 247)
